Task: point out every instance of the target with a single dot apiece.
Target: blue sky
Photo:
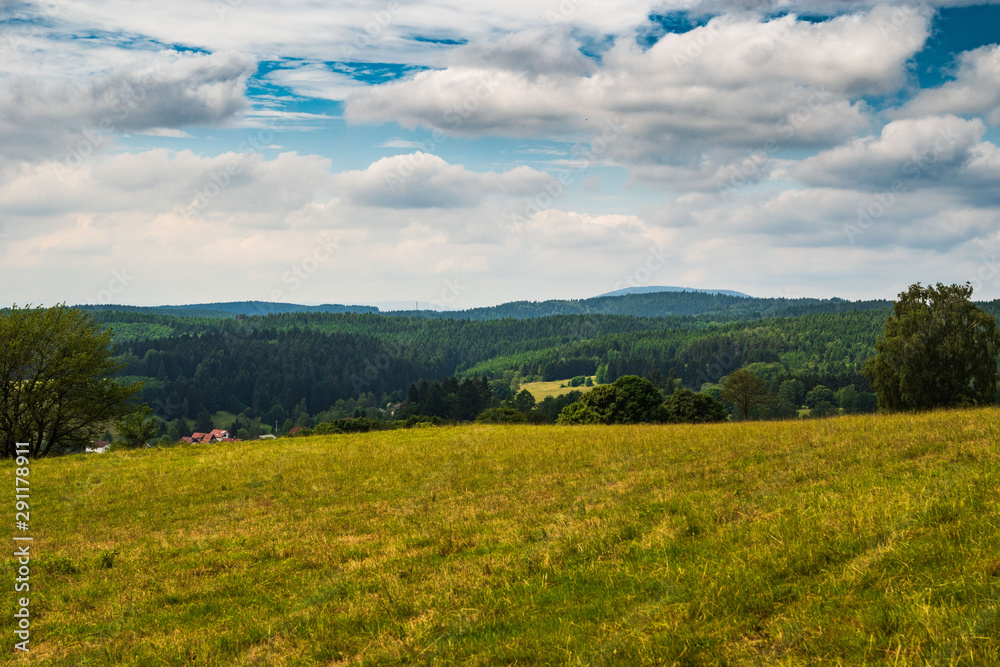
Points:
(465, 156)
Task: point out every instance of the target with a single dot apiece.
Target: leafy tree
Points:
(628, 400)
(138, 428)
(937, 349)
(846, 396)
(820, 393)
(822, 408)
(781, 408)
(502, 415)
(550, 407)
(580, 413)
(686, 406)
(866, 402)
(56, 391)
(524, 401)
(177, 430)
(792, 391)
(203, 422)
(744, 390)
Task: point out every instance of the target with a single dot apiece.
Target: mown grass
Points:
(553, 388)
(853, 540)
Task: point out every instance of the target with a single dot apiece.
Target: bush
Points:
(501, 416)
(820, 394)
(685, 406)
(822, 408)
(352, 425)
(628, 400)
(578, 413)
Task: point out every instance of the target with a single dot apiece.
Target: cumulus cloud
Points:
(423, 180)
(246, 188)
(939, 151)
(170, 91)
(737, 82)
(974, 91)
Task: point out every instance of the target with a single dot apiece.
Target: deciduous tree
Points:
(744, 390)
(938, 349)
(57, 391)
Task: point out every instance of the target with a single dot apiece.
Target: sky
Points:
(465, 155)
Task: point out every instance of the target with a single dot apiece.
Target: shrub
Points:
(685, 406)
(579, 413)
(501, 416)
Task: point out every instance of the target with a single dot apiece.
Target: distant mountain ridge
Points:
(662, 302)
(234, 308)
(654, 289)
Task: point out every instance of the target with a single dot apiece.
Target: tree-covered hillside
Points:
(266, 365)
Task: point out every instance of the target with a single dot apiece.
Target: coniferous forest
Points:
(299, 366)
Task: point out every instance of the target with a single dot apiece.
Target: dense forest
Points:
(279, 364)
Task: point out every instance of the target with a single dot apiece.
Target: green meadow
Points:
(850, 540)
(542, 390)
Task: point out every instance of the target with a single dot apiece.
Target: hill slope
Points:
(654, 289)
(851, 540)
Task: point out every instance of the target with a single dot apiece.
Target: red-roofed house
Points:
(215, 435)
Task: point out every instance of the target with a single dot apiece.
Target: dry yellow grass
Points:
(853, 540)
(542, 389)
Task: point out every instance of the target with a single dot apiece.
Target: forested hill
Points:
(232, 309)
(658, 304)
(276, 363)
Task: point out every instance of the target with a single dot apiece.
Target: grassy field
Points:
(542, 389)
(852, 540)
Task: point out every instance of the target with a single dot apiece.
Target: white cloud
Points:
(39, 117)
(422, 180)
(939, 151)
(974, 91)
(245, 188)
(315, 80)
(737, 82)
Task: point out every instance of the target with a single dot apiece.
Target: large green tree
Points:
(138, 428)
(745, 390)
(938, 349)
(685, 405)
(628, 400)
(56, 388)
